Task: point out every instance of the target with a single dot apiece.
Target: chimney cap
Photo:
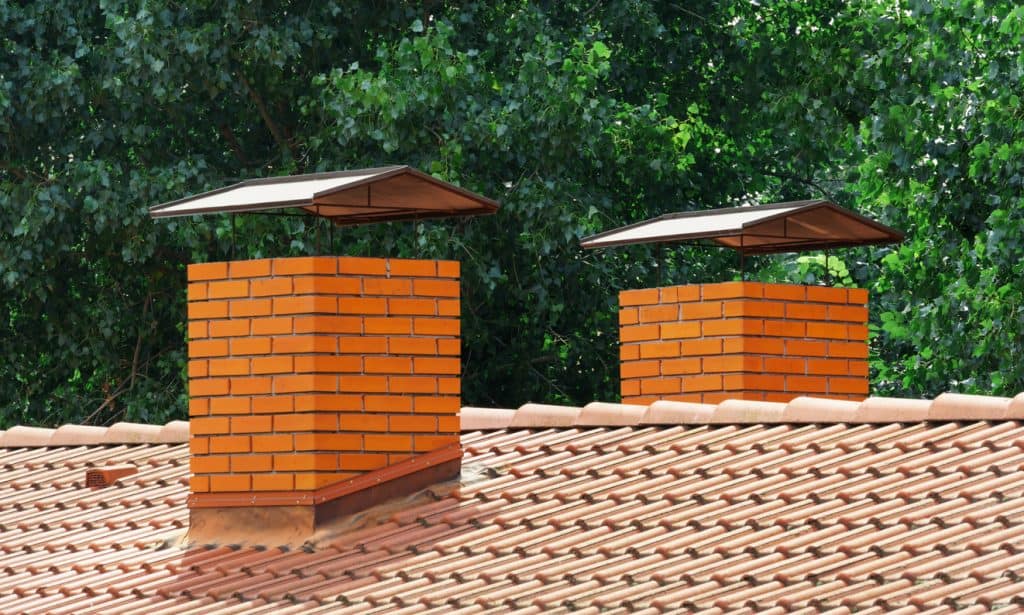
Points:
(760, 229)
(357, 196)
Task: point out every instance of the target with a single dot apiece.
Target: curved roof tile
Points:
(175, 432)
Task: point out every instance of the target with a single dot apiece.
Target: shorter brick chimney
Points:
(318, 386)
(743, 340)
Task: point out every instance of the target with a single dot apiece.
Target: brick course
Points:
(308, 371)
(742, 340)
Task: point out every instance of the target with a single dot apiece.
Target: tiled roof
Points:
(84, 435)
(738, 507)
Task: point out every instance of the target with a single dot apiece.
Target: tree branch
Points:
(274, 129)
(236, 149)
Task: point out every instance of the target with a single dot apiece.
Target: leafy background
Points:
(577, 116)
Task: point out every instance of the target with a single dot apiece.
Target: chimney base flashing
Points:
(279, 518)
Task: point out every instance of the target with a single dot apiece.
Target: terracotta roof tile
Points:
(740, 507)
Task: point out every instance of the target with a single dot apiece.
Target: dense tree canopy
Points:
(577, 116)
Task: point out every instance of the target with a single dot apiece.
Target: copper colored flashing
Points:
(370, 480)
(104, 477)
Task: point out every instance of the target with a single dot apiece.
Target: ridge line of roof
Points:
(23, 436)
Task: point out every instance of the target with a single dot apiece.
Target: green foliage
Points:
(577, 116)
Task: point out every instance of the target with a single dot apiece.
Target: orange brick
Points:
(230, 444)
(250, 269)
(252, 463)
(362, 345)
(413, 307)
(329, 364)
(229, 328)
(328, 442)
(449, 347)
(412, 384)
(273, 403)
(731, 363)
(305, 461)
(703, 310)
(210, 464)
(198, 291)
(447, 269)
(441, 405)
(657, 350)
(637, 333)
(207, 348)
(677, 330)
(645, 296)
(199, 484)
(848, 313)
(449, 307)
(209, 425)
(250, 424)
(363, 384)
(323, 285)
(857, 333)
(313, 481)
(640, 369)
(448, 424)
(362, 266)
(732, 290)
(629, 316)
(806, 384)
(848, 350)
(361, 462)
(323, 265)
(854, 386)
(857, 296)
(785, 328)
(413, 423)
(198, 329)
(828, 367)
(436, 326)
(757, 345)
(305, 304)
(802, 348)
(207, 271)
(387, 442)
(806, 311)
(692, 384)
(780, 365)
(387, 403)
(387, 326)
(859, 368)
(788, 292)
(229, 289)
(250, 345)
(388, 365)
(207, 309)
(272, 365)
(228, 483)
(199, 387)
(304, 403)
(305, 343)
(272, 443)
(230, 405)
(657, 386)
(691, 348)
(390, 286)
(826, 330)
(199, 407)
(764, 382)
(659, 313)
(734, 326)
(271, 287)
(241, 308)
(425, 444)
(273, 482)
(229, 367)
(763, 309)
(271, 326)
(329, 324)
(198, 445)
(826, 294)
(362, 305)
(198, 369)
(449, 386)
(434, 288)
(306, 383)
(668, 294)
(251, 386)
(680, 366)
(630, 387)
(629, 352)
(363, 423)
(410, 267)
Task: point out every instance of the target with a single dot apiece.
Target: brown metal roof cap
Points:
(761, 229)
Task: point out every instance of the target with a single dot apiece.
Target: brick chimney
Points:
(318, 386)
(743, 340)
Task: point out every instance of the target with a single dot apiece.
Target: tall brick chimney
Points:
(318, 386)
(743, 340)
